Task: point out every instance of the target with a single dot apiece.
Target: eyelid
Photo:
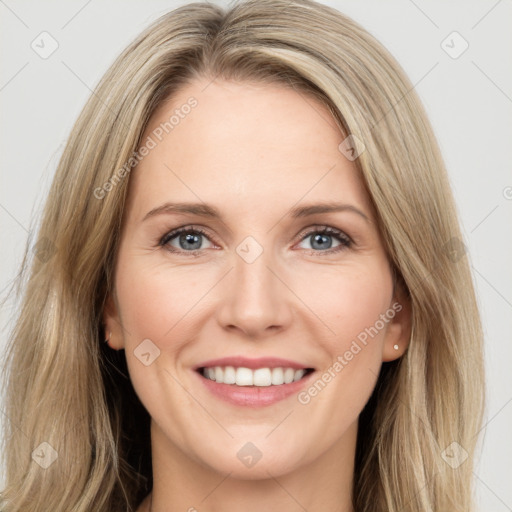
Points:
(323, 228)
(345, 240)
(173, 233)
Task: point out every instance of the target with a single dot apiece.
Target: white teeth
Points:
(243, 377)
(262, 377)
(277, 376)
(299, 374)
(246, 377)
(229, 375)
(289, 374)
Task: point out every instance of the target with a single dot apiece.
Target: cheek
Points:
(348, 300)
(158, 303)
(352, 302)
(155, 301)
(352, 305)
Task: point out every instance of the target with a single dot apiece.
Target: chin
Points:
(253, 461)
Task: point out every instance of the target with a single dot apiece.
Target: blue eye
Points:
(321, 240)
(188, 239)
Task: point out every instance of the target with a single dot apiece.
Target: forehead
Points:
(244, 146)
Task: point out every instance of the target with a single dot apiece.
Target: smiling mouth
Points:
(259, 377)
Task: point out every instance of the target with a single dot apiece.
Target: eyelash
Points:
(345, 240)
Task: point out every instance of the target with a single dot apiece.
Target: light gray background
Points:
(468, 99)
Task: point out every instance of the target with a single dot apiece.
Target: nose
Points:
(255, 299)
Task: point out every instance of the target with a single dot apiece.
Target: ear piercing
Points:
(395, 347)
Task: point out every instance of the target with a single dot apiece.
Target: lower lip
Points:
(253, 396)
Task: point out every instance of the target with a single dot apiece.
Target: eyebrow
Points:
(206, 210)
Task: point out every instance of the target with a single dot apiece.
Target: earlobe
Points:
(112, 329)
(108, 334)
(398, 333)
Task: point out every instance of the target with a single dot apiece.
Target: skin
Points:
(253, 151)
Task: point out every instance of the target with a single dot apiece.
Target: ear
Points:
(112, 324)
(398, 332)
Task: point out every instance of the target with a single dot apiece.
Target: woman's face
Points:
(287, 273)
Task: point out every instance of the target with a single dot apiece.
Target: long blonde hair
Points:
(68, 397)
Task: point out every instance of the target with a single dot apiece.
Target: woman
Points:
(253, 213)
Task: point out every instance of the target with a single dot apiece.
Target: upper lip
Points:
(260, 362)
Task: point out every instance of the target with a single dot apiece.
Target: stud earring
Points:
(395, 347)
(109, 336)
